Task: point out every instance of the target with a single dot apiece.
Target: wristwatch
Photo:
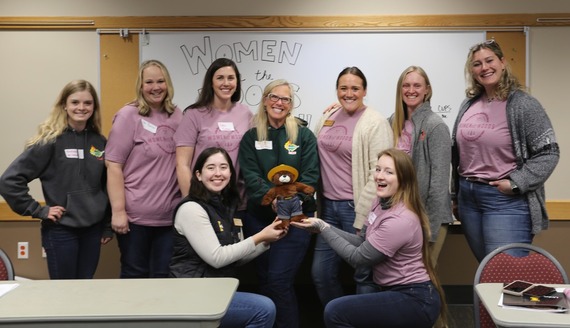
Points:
(514, 188)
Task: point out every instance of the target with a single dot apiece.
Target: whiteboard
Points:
(311, 61)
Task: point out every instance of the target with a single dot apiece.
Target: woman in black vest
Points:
(207, 240)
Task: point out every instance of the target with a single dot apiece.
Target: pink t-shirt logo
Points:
(473, 127)
(229, 140)
(333, 138)
(163, 139)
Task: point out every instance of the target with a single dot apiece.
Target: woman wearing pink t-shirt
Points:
(141, 169)
(216, 119)
(504, 149)
(349, 137)
(407, 293)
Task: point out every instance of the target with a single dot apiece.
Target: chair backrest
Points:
(538, 266)
(6, 268)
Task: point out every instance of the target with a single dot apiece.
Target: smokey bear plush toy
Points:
(285, 191)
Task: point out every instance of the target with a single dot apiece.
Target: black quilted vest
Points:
(185, 263)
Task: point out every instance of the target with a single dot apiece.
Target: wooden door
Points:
(119, 68)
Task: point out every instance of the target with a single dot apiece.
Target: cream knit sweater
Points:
(372, 134)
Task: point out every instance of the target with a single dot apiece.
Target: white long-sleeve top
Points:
(192, 221)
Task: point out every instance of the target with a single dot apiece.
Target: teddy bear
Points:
(284, 178)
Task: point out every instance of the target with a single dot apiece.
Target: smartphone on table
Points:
(520, 288)
(517, 287)
(538, 291)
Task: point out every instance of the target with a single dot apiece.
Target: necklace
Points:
(491, 99)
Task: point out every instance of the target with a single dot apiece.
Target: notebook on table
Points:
(555, 302)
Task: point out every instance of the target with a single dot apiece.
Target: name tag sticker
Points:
(149, 126)
(74, 153)
(371, 218)
(239, 225)
(328, 123)
(226, 126)
(268, 144)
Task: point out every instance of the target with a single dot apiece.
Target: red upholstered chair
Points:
(538, 266)
(6, 269)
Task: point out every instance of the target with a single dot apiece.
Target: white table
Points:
(489, 293)
(124, 303)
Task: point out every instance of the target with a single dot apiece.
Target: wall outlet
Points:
(23, 250)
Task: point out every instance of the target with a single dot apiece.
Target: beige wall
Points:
(549, 72)
(36, 65)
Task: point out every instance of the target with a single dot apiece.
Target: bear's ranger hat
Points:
(282, 167)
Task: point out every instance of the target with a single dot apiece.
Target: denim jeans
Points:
(145, 251)
(276, 269)
(72, 253)
(326, 263)
(491, 219)
(249, 310)
(414, 305)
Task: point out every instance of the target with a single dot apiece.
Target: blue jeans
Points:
(72, 253)
(146, 251)
(326, 263)
(414, 305)
(491, 219)
(277, 267)
(249, 310)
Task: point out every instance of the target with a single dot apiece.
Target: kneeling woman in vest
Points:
(206, 240)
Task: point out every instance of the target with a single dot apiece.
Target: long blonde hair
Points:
(408, 193)
(57, 122)
(260, 120)
(508, 81)
(140, 102)
(401, 112)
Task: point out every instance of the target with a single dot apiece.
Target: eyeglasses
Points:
(276, 98)
(486, 43)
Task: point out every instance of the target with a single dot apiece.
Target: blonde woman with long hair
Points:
(422, 134)
(278, 138)
(67, 156)
(141, 165)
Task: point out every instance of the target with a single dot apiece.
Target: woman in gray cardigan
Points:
(504, 150)
(425, 137)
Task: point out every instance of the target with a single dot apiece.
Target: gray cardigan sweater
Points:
(535, 148)
(431, 155)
